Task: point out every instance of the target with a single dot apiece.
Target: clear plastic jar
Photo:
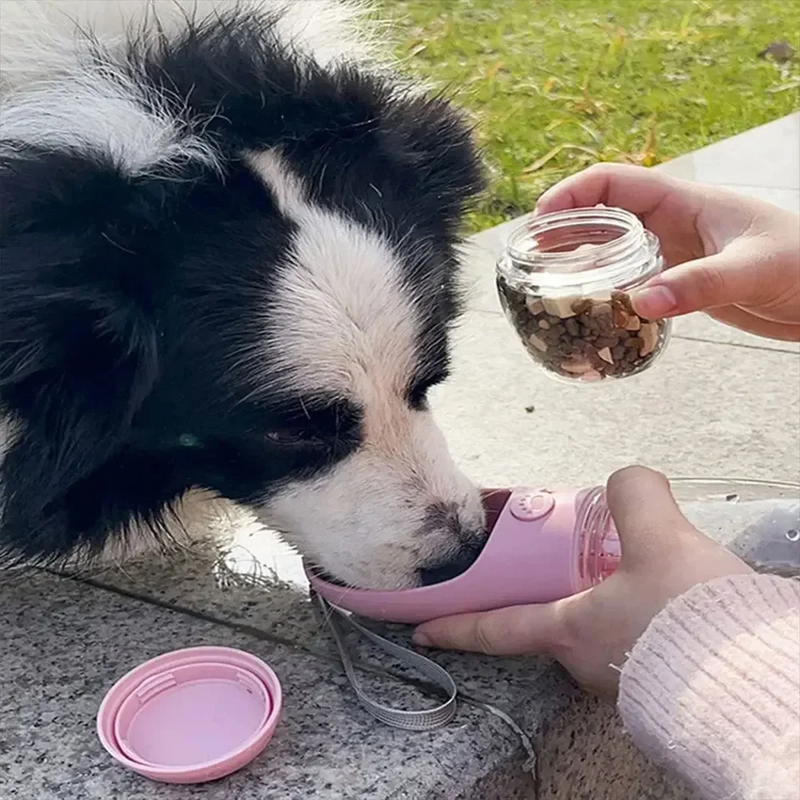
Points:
(563, 282)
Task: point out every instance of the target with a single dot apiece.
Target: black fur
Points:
(126, 302)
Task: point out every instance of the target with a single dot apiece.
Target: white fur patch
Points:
(100, 112)
(41, 38)
(342, 322)
(52, 96)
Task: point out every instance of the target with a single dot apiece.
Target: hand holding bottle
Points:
(590, 633)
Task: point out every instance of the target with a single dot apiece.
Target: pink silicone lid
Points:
(192, 715)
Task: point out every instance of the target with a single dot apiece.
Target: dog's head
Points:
(227, 266)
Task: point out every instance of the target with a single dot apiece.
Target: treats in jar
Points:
(564, 283)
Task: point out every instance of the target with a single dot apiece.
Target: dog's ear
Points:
(437, 153)
(78, 333)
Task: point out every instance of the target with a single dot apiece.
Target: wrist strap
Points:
(422, 720)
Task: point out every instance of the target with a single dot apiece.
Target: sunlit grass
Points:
(555, 85)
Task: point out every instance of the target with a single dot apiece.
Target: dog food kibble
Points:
(585, 338)
(564, 281)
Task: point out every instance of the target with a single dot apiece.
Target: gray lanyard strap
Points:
(424, 720)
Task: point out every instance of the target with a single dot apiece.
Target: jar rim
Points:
(628, 257)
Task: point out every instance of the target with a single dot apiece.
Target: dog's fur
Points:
(228, 268)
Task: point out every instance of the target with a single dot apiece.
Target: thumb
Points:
(739, 275)
(645, 513)
(510, 631)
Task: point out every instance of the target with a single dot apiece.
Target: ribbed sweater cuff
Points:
(712, 688)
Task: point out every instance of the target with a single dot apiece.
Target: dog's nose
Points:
(450, 517)
(448, 570)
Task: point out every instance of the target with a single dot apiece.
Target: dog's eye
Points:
(293, 438)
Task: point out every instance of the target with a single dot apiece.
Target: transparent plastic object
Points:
(564, 280)
(757, 520)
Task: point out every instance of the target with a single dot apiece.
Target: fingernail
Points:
(654, 302)
(421, 639)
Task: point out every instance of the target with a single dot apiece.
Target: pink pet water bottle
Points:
(543, 545)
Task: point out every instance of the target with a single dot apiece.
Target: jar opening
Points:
(578, 247)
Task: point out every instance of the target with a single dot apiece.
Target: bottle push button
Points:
(531, 506)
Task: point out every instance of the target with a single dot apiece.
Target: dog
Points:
(229, 269)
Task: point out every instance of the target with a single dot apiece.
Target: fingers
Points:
(748, 321)
(645, 512)
(739, 275)
(519, 630)
(636, 189)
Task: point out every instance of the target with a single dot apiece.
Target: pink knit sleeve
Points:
(712, 688)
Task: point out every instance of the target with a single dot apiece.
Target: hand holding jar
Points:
(734, 257)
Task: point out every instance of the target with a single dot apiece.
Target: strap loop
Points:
(423, 720)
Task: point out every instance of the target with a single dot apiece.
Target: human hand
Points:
(734, 257)
(663, 556)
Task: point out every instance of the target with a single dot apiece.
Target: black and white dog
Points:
(228, 269)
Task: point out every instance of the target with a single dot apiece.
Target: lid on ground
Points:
(192, 715)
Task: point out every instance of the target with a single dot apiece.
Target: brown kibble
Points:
(601, 310)
(606, 324)
(565, 348)
(607, 341)
(579, 306)
(623, 301)
(583, 338)
(550, 335)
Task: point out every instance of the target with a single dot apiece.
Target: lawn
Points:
(556, 85)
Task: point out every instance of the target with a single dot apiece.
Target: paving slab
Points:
(767, 156)
(705, 409)
(65, 642)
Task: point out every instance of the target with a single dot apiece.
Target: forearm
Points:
(712, 688)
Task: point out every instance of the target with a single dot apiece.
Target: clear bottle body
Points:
(757, 520)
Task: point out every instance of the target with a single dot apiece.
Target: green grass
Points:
(555, 85)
